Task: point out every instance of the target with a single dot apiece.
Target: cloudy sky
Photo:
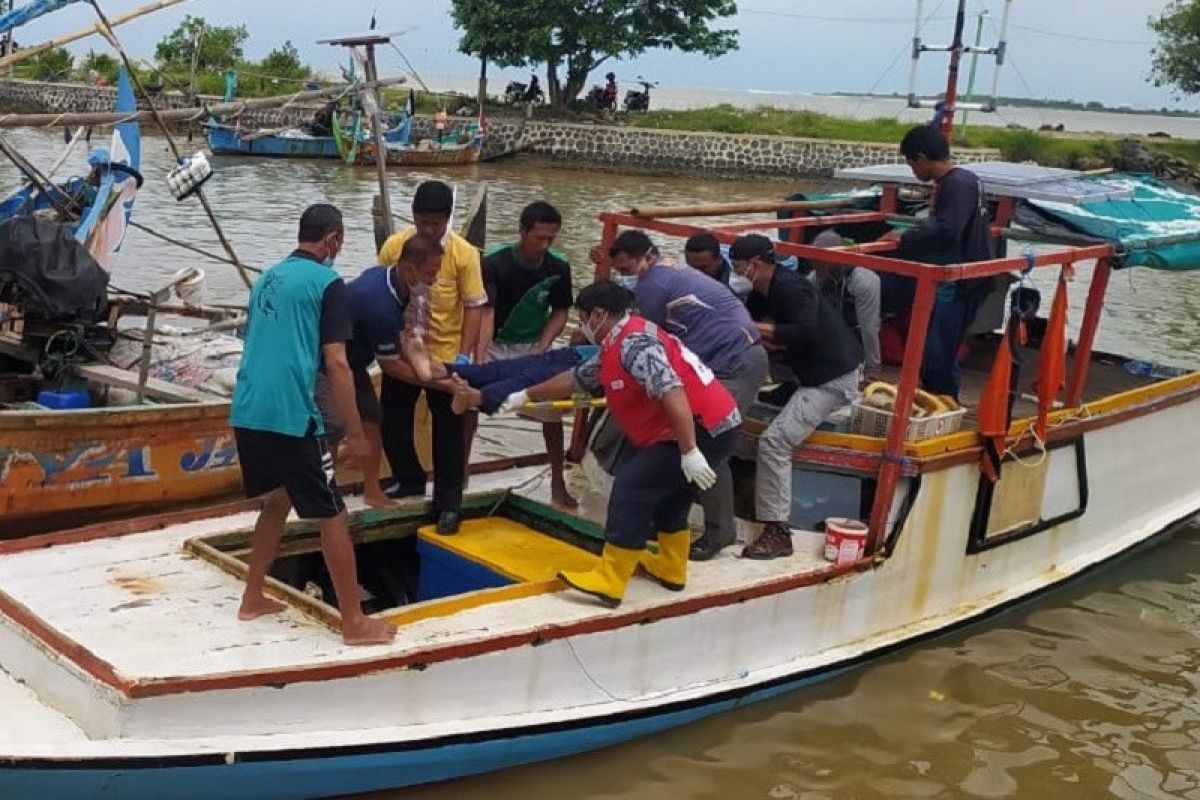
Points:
(1071, 49)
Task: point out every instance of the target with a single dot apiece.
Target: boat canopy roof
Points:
(1156, 225)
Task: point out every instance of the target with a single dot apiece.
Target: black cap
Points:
(753, 245)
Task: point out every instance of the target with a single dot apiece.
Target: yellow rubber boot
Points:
(669, 566)
(608, 580)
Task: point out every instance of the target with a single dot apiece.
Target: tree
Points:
(214, 48)
(284, 62)
(1176, 60)
(100, 64)
(574, 38)
(51, 65)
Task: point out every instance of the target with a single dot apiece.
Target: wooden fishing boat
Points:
(230, 140)
(144, 684)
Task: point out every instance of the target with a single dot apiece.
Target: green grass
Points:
(1014, 145)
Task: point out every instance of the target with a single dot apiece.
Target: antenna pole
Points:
(956, 50)
(974, 64)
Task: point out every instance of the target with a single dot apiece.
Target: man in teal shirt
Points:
(298, 322)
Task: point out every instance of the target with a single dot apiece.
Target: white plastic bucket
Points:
(845, 540)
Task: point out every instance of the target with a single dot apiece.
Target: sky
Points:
(1064, 49)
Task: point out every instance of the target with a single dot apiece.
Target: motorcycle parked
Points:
(598, 99)
(515, 94)
(639, 101)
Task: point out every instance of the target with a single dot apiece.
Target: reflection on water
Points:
(1088, 692)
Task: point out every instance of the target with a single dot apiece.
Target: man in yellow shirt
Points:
(452, 334)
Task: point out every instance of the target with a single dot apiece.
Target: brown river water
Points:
(1088, 691)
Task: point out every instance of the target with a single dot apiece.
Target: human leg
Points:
(399, 403)
(807, 409)
(264, 546)
(449, 450)
(337, 548)
(947, 328)
(371, 415)
(720, 528)
(553, 434)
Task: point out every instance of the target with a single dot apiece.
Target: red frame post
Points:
(906, 390)
(1087, 332)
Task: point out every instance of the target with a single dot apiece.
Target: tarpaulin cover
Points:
(1157, 227)
(30, 11)
(50, 274)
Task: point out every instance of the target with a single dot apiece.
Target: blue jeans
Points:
(947, 329)
(496, 380)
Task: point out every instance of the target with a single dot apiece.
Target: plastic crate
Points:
(867, 420)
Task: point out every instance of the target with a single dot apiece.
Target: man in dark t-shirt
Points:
(529, 295)
(957, 231)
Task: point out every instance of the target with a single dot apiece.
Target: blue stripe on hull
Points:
(326, 775)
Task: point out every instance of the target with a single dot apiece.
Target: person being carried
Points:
(455, 311)
(681, 423)
(388, 308)
(297, 321)
(497, 386)
(712, 323)
(957, 231)
(529, 295)
(826, 358)
(855, 291)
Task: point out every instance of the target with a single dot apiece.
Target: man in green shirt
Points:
(528, 298)
(298, 322)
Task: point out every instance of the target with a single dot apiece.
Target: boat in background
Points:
(232, 140)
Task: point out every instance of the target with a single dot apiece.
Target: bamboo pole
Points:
(111, 36)
(751, 207)
(174, 114)
(92, 30)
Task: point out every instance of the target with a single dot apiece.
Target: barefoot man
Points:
(389, 308)
(298, 321)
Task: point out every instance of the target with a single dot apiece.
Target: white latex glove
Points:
(696, 469)
(513, 402)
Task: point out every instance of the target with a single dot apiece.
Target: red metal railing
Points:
(927, 277)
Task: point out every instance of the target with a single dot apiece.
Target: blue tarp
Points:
(30, 11)
(1158, 227)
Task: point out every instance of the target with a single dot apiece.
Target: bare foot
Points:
(254, 607)
(377, 499)
(368, 631)
(560, 497)
(465, 398)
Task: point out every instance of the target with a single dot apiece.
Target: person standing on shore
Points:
(455, 311)
(529, 297)
(712, 323)
(298, 321)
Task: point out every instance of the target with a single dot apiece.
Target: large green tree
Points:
(214, 48)
(1176, 60)
(575, 37)
(284, 62)
(50, 65)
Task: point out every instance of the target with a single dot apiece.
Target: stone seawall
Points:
(579, 145)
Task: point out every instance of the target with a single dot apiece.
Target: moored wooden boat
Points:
(230, 140)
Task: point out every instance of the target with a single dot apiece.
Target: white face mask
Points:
(740, 285)
(628, 282)
(589, 333)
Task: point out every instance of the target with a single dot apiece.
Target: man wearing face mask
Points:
(388, 310)
(712, 323)
(297, 323)
(826, 358)
(455, 311)
(680, 421)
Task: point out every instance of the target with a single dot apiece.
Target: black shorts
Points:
(365, 399)
(301, 465)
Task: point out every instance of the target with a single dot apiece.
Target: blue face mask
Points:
(629, 282)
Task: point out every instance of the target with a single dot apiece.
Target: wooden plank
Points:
(155, 388)
(10, 345)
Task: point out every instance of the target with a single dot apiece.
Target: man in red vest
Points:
(680, 422)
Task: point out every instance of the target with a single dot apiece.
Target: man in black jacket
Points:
(826, 358)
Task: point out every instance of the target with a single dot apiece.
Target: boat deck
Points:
(146, 613)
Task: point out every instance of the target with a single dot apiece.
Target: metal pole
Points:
(956, 49)
(6, 44)
(385, 200)
(916, 57)
(974, 64)
(906, 390)
(1087, 332)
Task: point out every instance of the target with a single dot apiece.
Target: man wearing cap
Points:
(826, 358)
(713, 324)
(855, 292)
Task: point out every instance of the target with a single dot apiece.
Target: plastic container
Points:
(1148, 369)
(65, 401)
(867, 420)
(845, 540)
